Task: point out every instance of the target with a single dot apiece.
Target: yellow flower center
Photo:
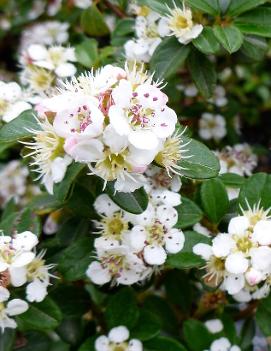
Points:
(114, 226)
(3, 106)
(33, 269)
(156, 233)
(144, 11)
(243, 244)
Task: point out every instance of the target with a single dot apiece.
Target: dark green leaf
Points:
(87, 52)
(247, 333)
(92, 22)
(88, 345)
(229, 37)
(206, 42)
(40, 316)
(135, 202)
(196, 335)
(75, 259)
(209, 6)
(257, 21)
(214, 199)
(188, 213)
(202, 164)
(254, 47)
(7, 340)
(19, 127)
(203, 73)
(256, 190)
(239, 6)
(147, 327)
(122, 309)
(232, 179)
(162, 343)
(168, 58)
(263, 316)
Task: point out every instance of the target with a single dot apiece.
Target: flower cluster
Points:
(131, 247)
(240, 260)
(42, 66)
(14, 184)
(212, 126)
(116, 121)
(150, 28)
(20, 266)
(118, 339)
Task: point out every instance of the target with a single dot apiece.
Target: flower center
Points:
(114, 226)
(3, 106)
(83, 115)
(170, 155)
(181, 22)
(243, 244)
(4, 278)
(156, 233)
(33, 269)
(40, 78)
(2, 307)
(119, 347)
(140, 117)
(7, 255)
(114, 263)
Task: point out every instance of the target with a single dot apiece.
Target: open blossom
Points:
(12, 101)
(118, 339)
(116, 121)
(179, 23)
(241, 258)
(9, 309)
(212, 127)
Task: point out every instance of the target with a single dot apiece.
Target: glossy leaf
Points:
(188, 213)
(206, 42)
(229, 37)
(239, 6)
(257, 22)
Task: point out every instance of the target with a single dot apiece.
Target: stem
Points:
(115, 9)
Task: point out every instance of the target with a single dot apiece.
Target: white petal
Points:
(116, 142)
(128, 277)
(236, 263)
(242, 296)
(221, 344)
(37, 52)
(16, 306)
(261, 258)
(84, 150)
(118, 120)
(36, 291)
(174, 241)
(144, 218)
(150, 96)
(222, 245)
(154, 255)
(25, 241)
(98, 274)
(167, 215)
(104, 205)
(238, 225)
(135, 345)
(102, 244)
(233, 283)
(15, 110)
(214, 325)
(119, 334)
(136, 238)
(18, 276)
(143, 139)
(165, 121)
(262, 232)
(253, 276)
(102, 343)
(4, 294)
(65, 70)
(122, 94)
(23, 259)
(203, 250)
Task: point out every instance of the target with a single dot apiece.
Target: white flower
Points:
(9, 309)
(219, 98)
(262, 232)
(214, 325)
(223, 344)
(12, 101)
(156, 237)
(180, 24)
(212, 127)
(118, 264)
(82, 4)
(118, 338)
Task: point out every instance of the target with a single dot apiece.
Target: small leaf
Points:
(40, 316)
(257, 22)
(203, 340)
(214, 199)
(87, 52)
(232, 180)
(229, 37)
(19, 127)
(263, 316)
(92, 22)
(162, 343)
(168, 58)
(254, 47)
(206, 42)
(202, 164)
(122, 309)
(239, 6)
(147, 327)
(203, 74)
(135, 202)
(188, 213)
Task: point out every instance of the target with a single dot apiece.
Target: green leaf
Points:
(257, 21)
(239, 6)
(202, 164)
(62, 190)
(29, 221)
(147, 327)
(188, 213)
(247, 333)
(162, 343)
(44, 203)
(92, 22)
(121, 32)
(254, 47)
(7, 340)
(87, 52)
(209, 6)
(168, 58)
(135, 202)
(232, 180)
(155, 5)
(36, 341)
(88, 345)
(196, 335)
(19, 127)
(256, 190)
(186, 258)
(40, 316)
(214, 199)
(122, 309)
(263, 316)
(75, 259)
(203, 74)
(206, 42)
(229, 37)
